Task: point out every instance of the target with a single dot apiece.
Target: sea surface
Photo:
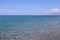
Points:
(16, 27)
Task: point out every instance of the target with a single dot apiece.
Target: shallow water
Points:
(29, 27)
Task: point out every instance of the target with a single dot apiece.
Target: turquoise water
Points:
(26, 23)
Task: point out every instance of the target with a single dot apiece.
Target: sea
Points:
(22, 27)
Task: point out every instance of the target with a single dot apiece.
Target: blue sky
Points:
(29, 7)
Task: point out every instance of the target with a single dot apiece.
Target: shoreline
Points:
(52, 35)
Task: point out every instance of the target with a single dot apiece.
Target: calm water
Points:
(27, 24)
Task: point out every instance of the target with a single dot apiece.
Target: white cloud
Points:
(55, 10)
(52, 11)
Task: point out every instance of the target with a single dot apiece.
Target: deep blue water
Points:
(27, 24)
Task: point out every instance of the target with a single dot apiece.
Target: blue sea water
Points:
(27, 23)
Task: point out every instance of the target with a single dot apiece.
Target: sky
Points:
(29, 7)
